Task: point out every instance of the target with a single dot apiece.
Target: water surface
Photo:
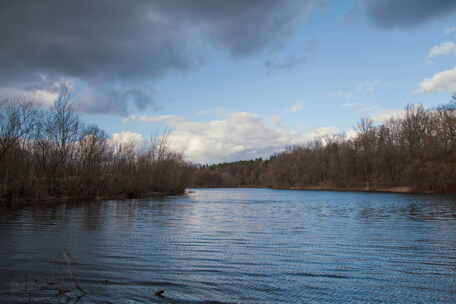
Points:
(235, 246)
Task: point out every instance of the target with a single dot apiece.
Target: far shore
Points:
(398, 189)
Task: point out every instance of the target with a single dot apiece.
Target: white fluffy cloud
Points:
(236, 136)
(444, 81)
(127, 138)
(445, 48)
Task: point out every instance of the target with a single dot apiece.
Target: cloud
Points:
(390, 14)
(296, 108)
(445, 48)
(43, 92)
(320, 132)
(217, 112)
(152, 118)
(117, 101)
(114, 50)
(43, 98)
(126, 138)
(444, 81)
(239, 135)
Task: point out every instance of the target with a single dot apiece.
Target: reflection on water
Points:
(238, 246)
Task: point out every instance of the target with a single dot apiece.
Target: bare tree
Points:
(17, 122)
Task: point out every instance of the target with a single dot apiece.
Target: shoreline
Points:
(397, 189)
(18, 203)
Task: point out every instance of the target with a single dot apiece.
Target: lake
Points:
(234, 246)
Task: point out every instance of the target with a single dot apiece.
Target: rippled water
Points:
(235, 246)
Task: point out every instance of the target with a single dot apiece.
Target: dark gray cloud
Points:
(116, 101)
(129, 42)
(407, 13)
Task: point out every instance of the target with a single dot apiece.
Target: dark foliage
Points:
(51, 154)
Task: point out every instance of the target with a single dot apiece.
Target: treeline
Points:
(233, 174)
(416, 150)
(51, 154)
(46, 154)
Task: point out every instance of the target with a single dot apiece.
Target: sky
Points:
(229, 80)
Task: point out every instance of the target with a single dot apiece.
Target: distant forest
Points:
(51, 154)
(416, 150)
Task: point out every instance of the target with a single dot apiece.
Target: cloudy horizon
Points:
(230, 80)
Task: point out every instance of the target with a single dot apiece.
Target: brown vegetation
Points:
(47, 154)
(413, 153)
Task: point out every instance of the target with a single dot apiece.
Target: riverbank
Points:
(18, 203)
(398, 189)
